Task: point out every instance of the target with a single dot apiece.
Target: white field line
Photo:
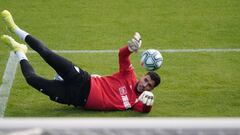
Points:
(166, 50)
(11, 67)
(7, 82)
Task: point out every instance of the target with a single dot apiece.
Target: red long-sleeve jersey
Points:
(118, 91)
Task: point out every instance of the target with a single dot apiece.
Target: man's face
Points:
(145, 84)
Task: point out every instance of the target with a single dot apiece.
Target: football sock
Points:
(21, 55)
(21, 33)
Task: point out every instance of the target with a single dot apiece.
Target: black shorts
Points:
(78, 89)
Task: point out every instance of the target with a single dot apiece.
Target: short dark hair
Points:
(155, 77)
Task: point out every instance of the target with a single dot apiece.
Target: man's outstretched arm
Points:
(124, 53)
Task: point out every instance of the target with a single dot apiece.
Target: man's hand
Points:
(135, 43)
(146, 98)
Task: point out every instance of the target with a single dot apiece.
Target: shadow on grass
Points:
(80, 112)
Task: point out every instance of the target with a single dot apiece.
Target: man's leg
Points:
(56, 90)
(63, 67)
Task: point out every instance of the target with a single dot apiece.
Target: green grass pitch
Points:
(205, 84)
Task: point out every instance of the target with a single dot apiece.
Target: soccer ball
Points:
(151, 59)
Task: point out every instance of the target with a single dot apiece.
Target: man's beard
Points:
(138, 88)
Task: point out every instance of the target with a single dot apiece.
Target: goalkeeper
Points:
(120, 91)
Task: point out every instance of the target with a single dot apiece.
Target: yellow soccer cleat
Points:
(15, 46)
(7, 18)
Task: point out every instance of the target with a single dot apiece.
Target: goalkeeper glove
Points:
(146, 98)
(135, 43)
